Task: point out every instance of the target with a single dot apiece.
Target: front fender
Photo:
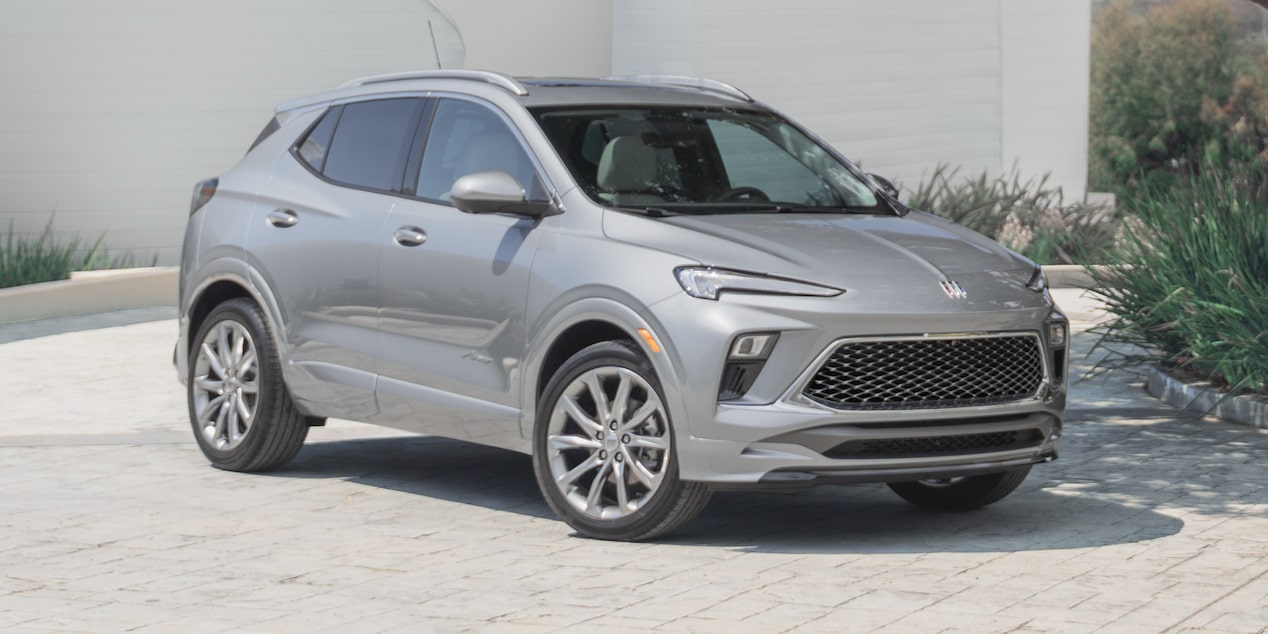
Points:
(623, 315)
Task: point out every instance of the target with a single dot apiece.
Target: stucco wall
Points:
(899, 86)
(562, 38)
(111, 111)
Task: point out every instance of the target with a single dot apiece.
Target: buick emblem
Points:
(953, 289)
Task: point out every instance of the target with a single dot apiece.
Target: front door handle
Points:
(409, 236)
(283, 218)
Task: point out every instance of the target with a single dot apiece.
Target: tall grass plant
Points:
(1191, 285)
(1026, 215)
(25, 260)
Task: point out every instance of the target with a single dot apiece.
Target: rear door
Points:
(451, 326)
(316, 240)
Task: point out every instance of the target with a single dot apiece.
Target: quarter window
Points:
(312, 150)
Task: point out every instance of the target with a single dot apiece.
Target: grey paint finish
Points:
(447, 335)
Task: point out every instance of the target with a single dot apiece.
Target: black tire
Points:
(961, 494)
(276, 430)
(659, 509)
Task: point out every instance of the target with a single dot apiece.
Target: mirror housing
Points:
(886, 185)
(495, 193)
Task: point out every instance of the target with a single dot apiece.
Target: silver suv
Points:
(655, 286)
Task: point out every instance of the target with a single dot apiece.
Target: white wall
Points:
(899, 86)
(111, 111)
(561, 38)
(1045, 54)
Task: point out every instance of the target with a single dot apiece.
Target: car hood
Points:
(886, 257)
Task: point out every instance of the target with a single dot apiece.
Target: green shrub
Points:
(27, 261)
(1172, 88)
(1192, 285)
(1027, 216)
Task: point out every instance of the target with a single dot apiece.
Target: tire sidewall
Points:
(606, 354)
(248, 316)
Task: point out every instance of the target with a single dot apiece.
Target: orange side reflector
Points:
(651, 342)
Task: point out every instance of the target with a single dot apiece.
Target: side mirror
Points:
(886, 186)
(493, 193)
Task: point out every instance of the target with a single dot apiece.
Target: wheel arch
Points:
(231, 280)
(593, 320)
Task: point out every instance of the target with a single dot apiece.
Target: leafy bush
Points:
(1027, 216)
(1192, 285)
(26, 261)
(1172, 88)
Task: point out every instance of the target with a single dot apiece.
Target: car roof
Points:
(532, 92)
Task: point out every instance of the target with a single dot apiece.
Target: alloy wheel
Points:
(226, 386)
(608, 443)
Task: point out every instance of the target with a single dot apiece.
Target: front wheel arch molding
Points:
(622, 318)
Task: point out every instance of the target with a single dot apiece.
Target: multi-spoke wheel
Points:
(961, 494)
(243, 418)
(604, 449)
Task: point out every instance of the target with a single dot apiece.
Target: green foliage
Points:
(1172, 88)
(1027, 216)
(26, 261)
(1191, 285)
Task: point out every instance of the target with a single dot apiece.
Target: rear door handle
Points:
(283, 218)
(409, 236)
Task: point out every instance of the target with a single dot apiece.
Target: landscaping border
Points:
(89, 292)
(1202, 398)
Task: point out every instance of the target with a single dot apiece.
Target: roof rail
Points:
(683, 81)
(505, 82)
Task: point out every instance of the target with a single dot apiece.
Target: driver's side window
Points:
(465, 138)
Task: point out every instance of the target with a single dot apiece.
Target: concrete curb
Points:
(90, 292)
(1201, 398)
(1070, 275)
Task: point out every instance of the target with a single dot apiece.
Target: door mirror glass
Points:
(495, 192)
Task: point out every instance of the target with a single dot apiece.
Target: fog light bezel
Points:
(1058, 334)
(741, 368)
(766, 341)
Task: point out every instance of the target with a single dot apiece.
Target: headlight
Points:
(707, 283)
(1038, 282)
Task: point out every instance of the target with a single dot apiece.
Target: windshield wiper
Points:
(830, 209)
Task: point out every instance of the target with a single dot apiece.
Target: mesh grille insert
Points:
(928, 373)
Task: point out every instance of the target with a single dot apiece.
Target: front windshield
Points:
(700, 160)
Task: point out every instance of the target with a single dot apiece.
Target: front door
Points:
(453, 287)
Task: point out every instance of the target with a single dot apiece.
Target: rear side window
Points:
(371, 139)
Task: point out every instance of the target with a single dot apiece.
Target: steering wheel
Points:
(738, 194)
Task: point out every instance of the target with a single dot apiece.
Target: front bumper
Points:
(774, 437)
(820, 448)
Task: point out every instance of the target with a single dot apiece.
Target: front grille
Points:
(930, 373)
(936, 445)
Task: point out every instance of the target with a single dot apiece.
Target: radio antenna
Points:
(435, 49)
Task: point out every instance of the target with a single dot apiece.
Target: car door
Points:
(453, 286)
(317, 242)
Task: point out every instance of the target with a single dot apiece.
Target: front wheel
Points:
(603, 448)
(961, 494)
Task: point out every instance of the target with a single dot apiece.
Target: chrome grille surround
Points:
(926, 372)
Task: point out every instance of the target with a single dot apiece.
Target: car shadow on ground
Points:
(829, 519)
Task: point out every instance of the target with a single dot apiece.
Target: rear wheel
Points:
(242, 415)
(961, 494)
(603, 448)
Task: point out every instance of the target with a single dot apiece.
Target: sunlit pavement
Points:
(111, 520)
